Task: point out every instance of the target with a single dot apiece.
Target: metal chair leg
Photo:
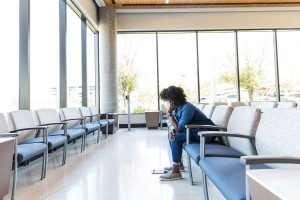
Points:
(98, 137)
(15, 171)
(106, 131)
(82, 143)
(44, 165)
(190, 169)
(204, 182)
(64, 154)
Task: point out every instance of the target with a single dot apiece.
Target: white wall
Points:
(246, 19)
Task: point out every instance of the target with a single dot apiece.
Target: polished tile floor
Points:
(118, 168)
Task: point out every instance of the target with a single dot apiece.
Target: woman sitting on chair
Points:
(180, 113)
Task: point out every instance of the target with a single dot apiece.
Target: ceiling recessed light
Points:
(166, 1)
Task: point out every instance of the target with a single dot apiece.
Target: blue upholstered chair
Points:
(75, 126)
(56, 129)
(89, 125)
(109, 116)
(24, 151)
(104, 122)
(220, 118)
(277, 140)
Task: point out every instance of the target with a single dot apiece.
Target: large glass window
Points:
(74, 71)
(9, 51)
(288, 63)
(256, 65)
(137, 72)
(44, 57)
(177, 61)
(91, 72)
(217, 66)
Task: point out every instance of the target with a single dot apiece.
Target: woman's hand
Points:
(172, 107)
(172, 136)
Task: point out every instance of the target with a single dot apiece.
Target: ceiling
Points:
(157, 4)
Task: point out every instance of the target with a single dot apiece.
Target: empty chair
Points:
(25, 119)
(104, 122)
(50, 118)
(265, 105)
(277, 140)
(25, 151)
(75, 126)
(220, 118)
(109, 116)
(287, 104)
(89, 125)
(208, 110)
(244, 119)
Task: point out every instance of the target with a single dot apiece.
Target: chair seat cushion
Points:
(27, 151)
(228, 175)
(193, 150)
(103, 122)
(110, 121)
(190, 142)
(91, 127)
(53, 141)
(59, 132)
(75, 132)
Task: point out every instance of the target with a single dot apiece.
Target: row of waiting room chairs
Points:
(208, 109)
(244, 131)
(41, 131)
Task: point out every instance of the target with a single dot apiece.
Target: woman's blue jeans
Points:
(176, 145)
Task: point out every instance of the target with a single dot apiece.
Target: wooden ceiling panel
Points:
(155, 4)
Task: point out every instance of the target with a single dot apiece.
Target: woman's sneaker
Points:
(170, 176)
(181, 168)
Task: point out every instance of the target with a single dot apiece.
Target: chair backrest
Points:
(94, 111)
(254, 104)
(278, 133)
(23, 119)
(221, 115)
(243, 120)
(265, 105)
(287, 104)
(236, 104)
(85, 111)
(4, 127)
(208, 110)
(70, 113)
(201, 106)
(46, 116)
(219, 103)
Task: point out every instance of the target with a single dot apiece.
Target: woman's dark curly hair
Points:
(173, 93)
